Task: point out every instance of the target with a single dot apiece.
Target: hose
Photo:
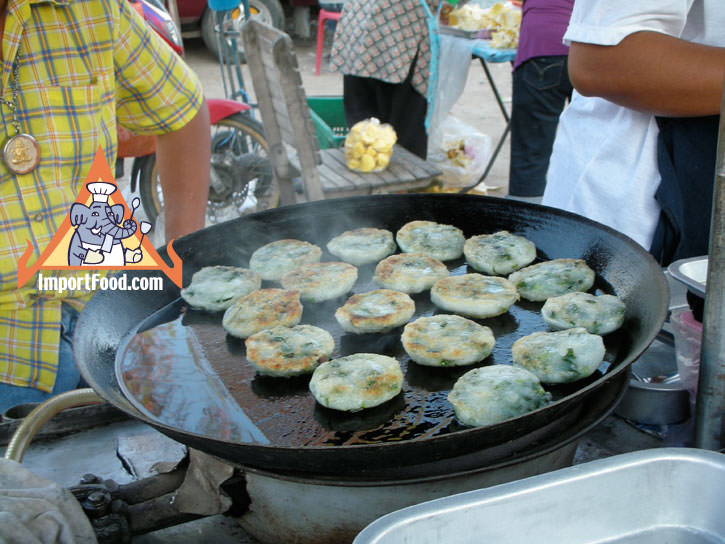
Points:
(41, 414)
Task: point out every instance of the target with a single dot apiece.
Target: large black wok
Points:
(179, 372)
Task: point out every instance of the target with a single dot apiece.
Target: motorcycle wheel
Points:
(241, 179)
(267, 11)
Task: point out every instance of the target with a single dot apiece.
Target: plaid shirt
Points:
(82, 65)
(380, 39)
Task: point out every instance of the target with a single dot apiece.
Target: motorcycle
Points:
(197, 18)
(241, 179)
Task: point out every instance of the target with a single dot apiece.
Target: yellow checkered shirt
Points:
(82, 65)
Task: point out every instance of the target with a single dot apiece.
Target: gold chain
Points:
(12, 105)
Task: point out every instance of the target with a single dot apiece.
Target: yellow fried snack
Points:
(358, 150)
(367, 163)
(468, 17)
(503, 20)
(369, 146)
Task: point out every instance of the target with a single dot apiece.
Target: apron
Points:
(686, 157)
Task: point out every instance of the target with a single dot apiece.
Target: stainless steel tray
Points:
(692, 272)
(646, 497)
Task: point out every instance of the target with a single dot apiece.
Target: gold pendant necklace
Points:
(20, 153)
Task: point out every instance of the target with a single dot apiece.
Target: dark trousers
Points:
(686, 157)
(398, 104)
(541, 88)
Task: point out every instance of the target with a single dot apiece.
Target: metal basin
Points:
(646, 497)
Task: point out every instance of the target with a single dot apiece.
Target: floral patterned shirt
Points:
(380, 39)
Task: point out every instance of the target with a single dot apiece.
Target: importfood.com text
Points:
(94, 281)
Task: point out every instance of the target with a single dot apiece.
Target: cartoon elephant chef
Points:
(98, 233)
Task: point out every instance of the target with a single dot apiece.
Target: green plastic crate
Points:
(328, 116)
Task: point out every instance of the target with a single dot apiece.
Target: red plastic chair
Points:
(324, 16)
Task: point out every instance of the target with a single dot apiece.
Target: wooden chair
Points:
(286, 119)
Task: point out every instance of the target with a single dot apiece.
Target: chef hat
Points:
(101, 190)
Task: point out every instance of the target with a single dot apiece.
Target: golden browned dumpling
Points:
(375, 311)
(409, 272)
(318, 282)
(447, 340)
(262, 309)
(474, 295)
(289, 351)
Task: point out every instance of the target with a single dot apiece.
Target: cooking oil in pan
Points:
(165, 373)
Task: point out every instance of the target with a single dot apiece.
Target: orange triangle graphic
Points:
(124, 245)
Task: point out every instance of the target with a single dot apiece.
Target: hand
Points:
(133, 255)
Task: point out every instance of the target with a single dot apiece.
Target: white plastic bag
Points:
(462, 154)
(453, 66)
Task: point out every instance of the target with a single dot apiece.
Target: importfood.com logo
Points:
(95, 281)
(100, 232)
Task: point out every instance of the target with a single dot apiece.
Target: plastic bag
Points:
(462, 155)
(452, 77)
(688, 340)
(369, 145)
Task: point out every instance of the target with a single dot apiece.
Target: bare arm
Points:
(653, 72)
(183, 161)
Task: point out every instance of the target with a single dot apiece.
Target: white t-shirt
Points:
(604, 161)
